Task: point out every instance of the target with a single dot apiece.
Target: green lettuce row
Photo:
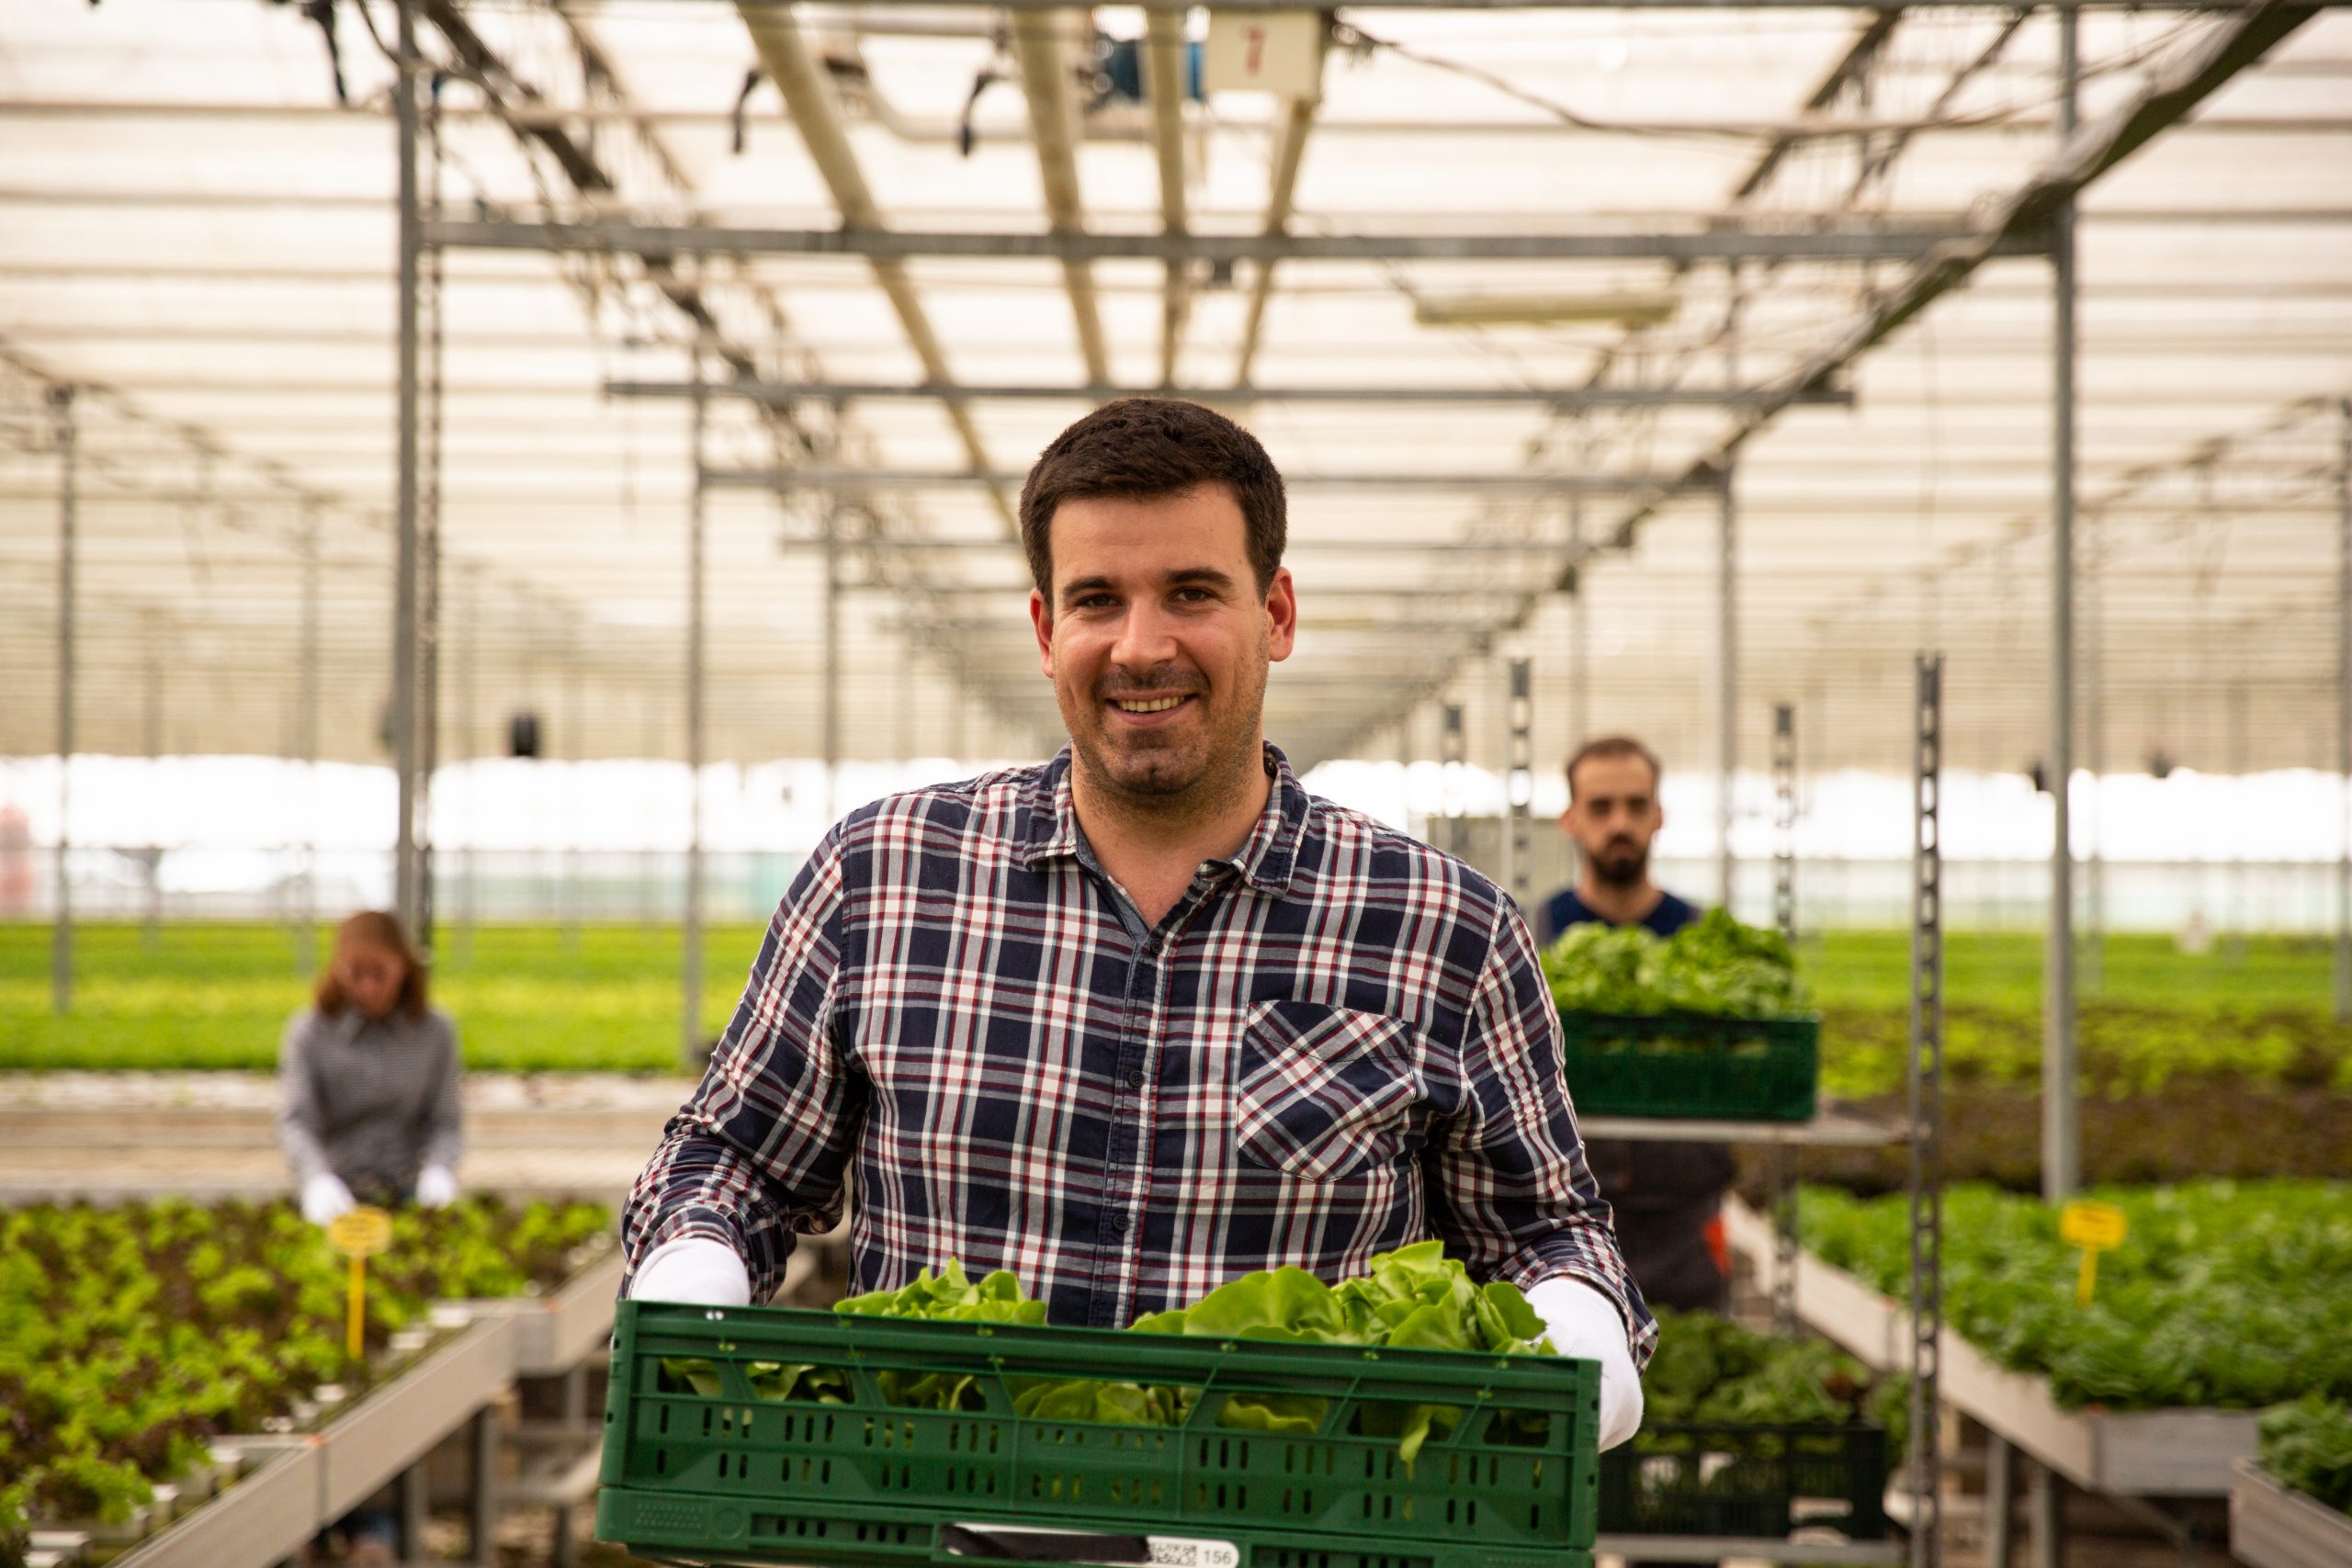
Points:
(1709, 1370)
(2230, 1294)
(2307, 1445)
(1413, 1298)
(130, 1336)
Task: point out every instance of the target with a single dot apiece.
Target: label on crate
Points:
(1069, 1546)
(1179, 1551)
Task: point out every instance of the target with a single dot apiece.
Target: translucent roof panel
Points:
(199, 236)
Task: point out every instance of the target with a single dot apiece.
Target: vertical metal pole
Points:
(2241, 917)
(1520, 785)
(1785, 821)
(1580, 636)
(151, 932)
(2045, 1500)
(428, 712)
(2344, 713)
(61, 947)
(2060, 1122)
(2000, 1499)
(2095, 740)
(690, 968)
(404, 870)
(1927, 1109)
(484, 1502)
(1784, 918)
(307, 725)
(413, 1486)
(1452, 749)
(1727, 614)
(832, 662)
(575, 741)
(1726, 680)
(468, 738)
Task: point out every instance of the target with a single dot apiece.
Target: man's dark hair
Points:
(1614, 746)
(1138, 448)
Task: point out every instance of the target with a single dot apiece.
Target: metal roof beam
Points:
(1846, 240)
(815, 478)
(1561, 397)
(1042, 47)
(2220, 6)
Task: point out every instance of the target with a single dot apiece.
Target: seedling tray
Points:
(735, 1477)
(1754, 1480)
(1684, 1065)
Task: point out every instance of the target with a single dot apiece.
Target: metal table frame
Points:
(297, 1485)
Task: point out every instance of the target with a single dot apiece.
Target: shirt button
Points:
(1135, 1078)
(1118, 1222)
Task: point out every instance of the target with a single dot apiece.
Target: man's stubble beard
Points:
(1623, 872)
(1171, 786)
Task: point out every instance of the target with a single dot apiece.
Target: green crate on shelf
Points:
(1681, 1065)
(736, 1476)
(1754, 1481)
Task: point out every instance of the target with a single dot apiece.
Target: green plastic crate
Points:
(1680, 1065)
(742, 1478)
(1757, 1482)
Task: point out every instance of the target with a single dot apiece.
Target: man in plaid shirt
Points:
(1150, 1016)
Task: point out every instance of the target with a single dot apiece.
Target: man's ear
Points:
(1041, 621)
(1282, 617)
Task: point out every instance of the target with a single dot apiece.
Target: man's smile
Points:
(1150, 706)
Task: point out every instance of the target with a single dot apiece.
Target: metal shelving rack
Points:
(1921, 1128)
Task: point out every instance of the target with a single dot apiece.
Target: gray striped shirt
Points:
(374, 1100)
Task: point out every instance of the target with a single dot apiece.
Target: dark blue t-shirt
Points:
(1564, 909)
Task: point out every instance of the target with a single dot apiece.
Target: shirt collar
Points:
(1267, 859)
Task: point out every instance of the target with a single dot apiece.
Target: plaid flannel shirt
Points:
(1337, 1042)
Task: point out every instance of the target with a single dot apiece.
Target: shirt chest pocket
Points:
(1324, 1092)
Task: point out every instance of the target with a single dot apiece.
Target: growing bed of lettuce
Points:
(131, 1337)
(528, 997)
(2229, 1294)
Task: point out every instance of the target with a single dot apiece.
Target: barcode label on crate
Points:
(1178, 1552)
(1160, 1551)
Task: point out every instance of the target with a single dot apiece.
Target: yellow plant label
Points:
(2100, 1227)
(2096, 1229)
(362, 1232)
(359, 1234)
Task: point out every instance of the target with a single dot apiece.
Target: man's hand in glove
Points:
(437, 1187)
(693, 1269)
(1585, 1325)
(324, 1196)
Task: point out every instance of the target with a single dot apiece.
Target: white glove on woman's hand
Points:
(1585, 1323)
(437, 1187)
(694, 1270)
(324, 1196)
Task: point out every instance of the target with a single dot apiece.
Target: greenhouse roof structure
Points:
(1536, 308)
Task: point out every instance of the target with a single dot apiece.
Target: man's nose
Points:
(1145, 638)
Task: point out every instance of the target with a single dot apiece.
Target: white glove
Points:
(324, 1196)
(693, 1269)
(437, 1187)
(1584, 1324)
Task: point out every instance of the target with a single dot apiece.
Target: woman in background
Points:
(368, 1080)
(368, 1113)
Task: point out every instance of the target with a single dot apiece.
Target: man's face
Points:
(1157, 642)
(1613, 817)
